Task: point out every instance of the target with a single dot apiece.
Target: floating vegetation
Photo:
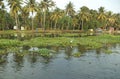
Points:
(7, 43)
(44, 52)
(108, 51)
(2, 61)
(78, 54)
(91, 42)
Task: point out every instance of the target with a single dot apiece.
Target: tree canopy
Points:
(44, 14)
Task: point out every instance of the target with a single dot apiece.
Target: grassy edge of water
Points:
(90, 42)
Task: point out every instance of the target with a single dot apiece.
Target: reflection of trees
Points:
(46, 60)
(81, 49)
(3, 57)
(68, 52)
(55, 48)
(33, 57)
(98, 51)
(18, 59)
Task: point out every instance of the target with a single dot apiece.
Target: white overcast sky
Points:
(110, 5)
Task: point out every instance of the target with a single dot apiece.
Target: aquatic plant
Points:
(78, 54)
(90, 42)
(6, 43)
(108, 51)
(44, 52)
(2, 61)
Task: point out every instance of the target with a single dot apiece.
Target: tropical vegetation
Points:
(44, 14)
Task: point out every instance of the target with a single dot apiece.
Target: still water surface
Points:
(92, 64)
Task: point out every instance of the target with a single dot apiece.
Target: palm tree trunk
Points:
(68, 23)
(55, 25)
(32, 25)
(16, 20)
(82, 25)
(44, 19)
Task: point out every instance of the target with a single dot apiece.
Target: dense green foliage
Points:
(31, 15)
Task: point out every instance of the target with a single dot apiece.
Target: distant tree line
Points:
(44, 14)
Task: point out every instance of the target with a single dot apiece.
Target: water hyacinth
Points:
(44, 52)
(78, 54)
(91, 42)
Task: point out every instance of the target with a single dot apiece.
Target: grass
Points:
(7, 43)
(78, 54)
(90, 42)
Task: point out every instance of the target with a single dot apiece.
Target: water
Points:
(92, 64)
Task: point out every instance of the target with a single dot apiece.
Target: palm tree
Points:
(84, 15)
(93, 23)
(74, 22)
(1, 4)
(39, 17)
(15, 7)
(70, 12)
(102, 16)
(24, 16)
(110, 18)
(31, 7)
(2, 15)
(117, 23)
(56, 16)
(45, 4)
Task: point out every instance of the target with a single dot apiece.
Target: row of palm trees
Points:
(44, 14)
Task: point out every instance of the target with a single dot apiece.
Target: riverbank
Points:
(88, 42)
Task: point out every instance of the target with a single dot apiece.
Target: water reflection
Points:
(93, 64)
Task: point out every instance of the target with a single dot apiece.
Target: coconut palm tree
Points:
(15, 7)
(31, 7)
(93, 23)
(110, 18)
(1, 4)
(102, 16)
(2, 14)
(74, 22)
(45, 5)
(24, 15)
(56, 16)
(83, 15)
(70, 12)
(117, 22)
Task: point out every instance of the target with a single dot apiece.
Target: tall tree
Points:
(31, 7)
(1, 4)
(56, 16)
(24, 15)
(74, 22)
(2, 15)
(83, 16)
(45, 5)
(110, 18)
(102, 16)
(70, 12)
(15, 7)
(93, 23)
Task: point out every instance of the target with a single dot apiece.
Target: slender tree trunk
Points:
(79, 26)
(32, 22)
(51, 25)
(68, 24)
(55, 25)
(62, 26)
(82, 25)
(44, 20)
(16, 20)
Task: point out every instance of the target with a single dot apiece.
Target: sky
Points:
(109, 5)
